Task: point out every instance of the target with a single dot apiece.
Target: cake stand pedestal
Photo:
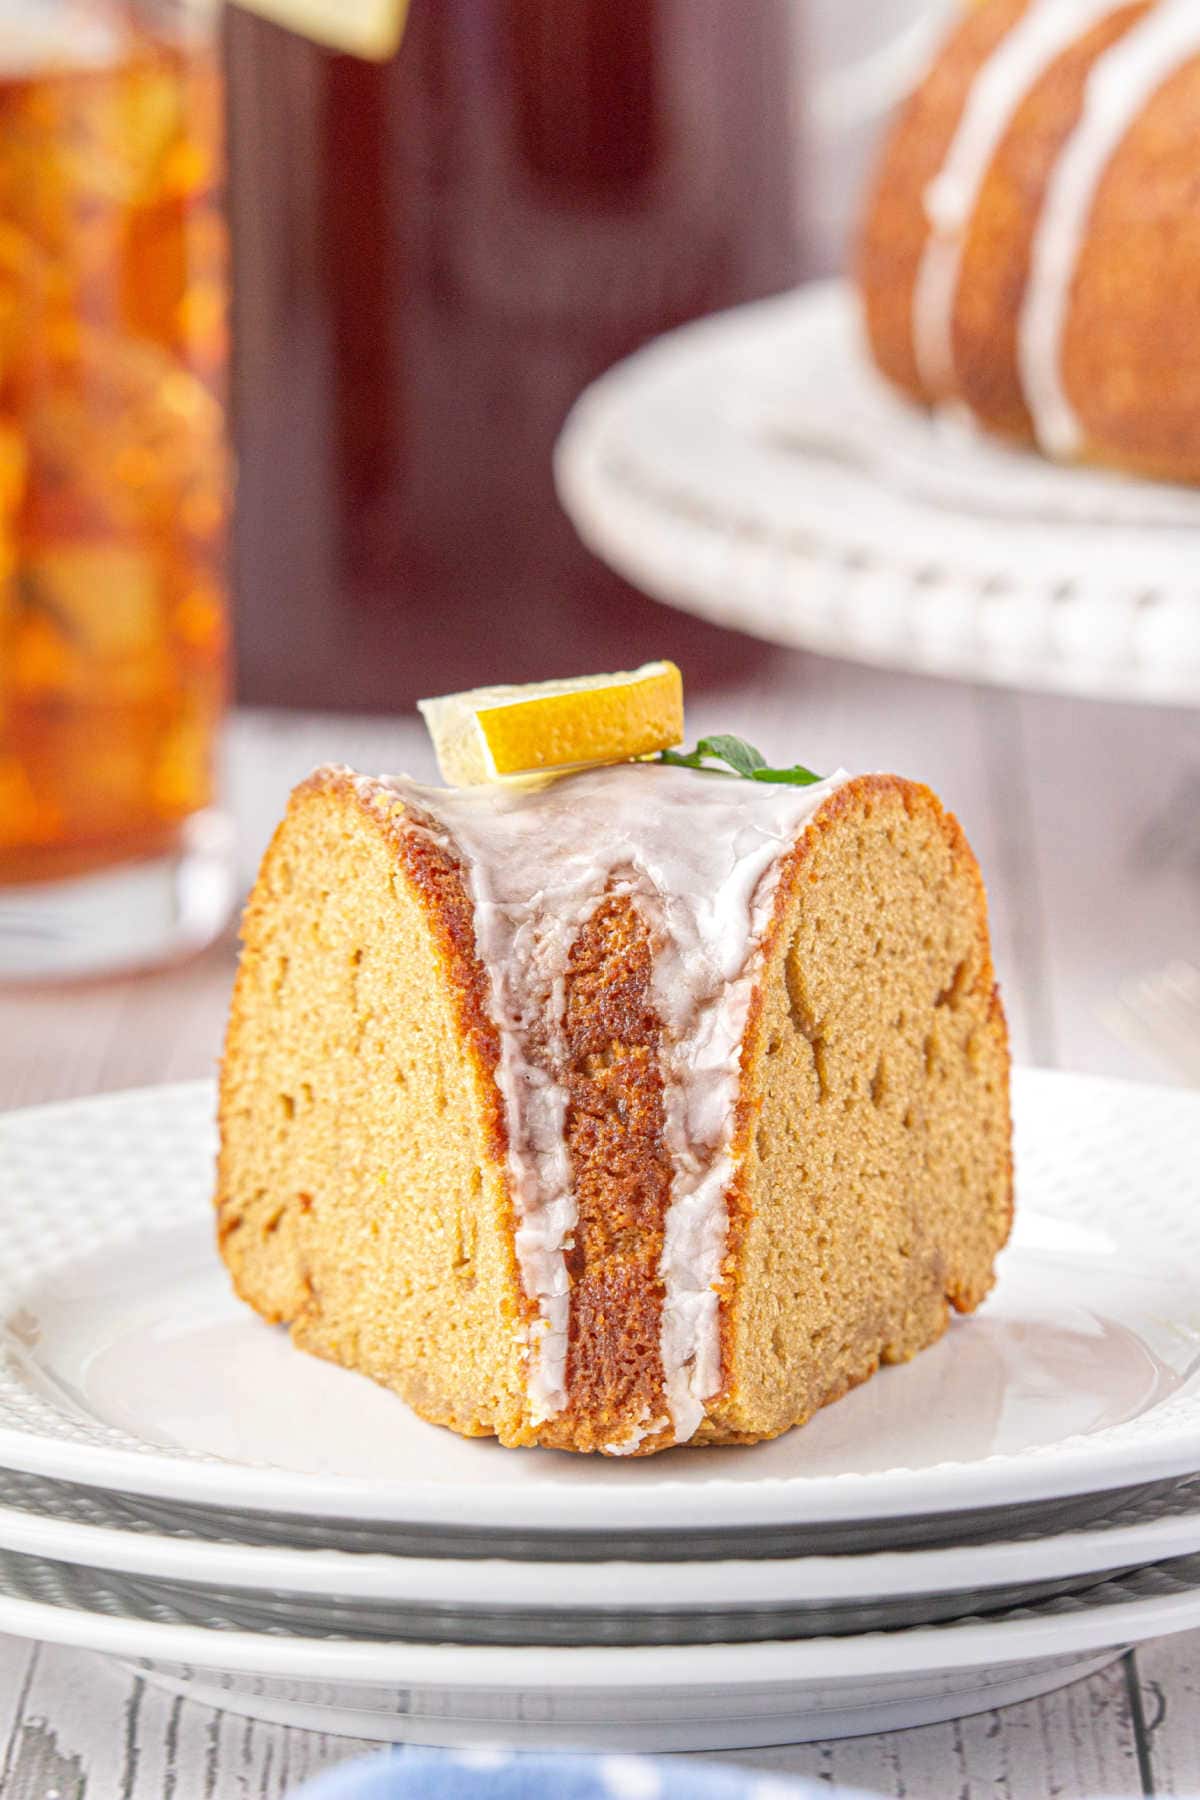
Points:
(753, 469)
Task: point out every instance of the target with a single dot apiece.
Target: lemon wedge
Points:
(548, 727)
(367, 28)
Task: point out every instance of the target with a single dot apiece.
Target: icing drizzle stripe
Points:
(1118, 87)
(1044, 31)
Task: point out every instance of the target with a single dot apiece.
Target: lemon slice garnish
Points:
(369, 28)
(548, 727)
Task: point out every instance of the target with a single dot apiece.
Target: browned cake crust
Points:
(1131, 360)
(1130, 365)
(895, 227)
(615, 1122)
(362, 1185)
(995, 265)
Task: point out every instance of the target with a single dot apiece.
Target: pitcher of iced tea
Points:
(114, 484)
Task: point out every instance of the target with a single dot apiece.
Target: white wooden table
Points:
(1086, 819)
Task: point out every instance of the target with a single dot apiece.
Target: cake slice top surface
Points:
(699, 838)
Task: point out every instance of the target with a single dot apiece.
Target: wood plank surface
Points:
(1086, 819)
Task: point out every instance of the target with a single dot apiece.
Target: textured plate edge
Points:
(1028, 1636)
(800, 1580)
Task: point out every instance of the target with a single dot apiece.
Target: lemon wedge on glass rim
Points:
(503, 734)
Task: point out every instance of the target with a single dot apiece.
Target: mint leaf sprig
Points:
(741, 759)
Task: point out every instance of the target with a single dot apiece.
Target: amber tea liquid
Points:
(113, 466)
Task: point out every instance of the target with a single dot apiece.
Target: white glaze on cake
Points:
(1120, 84)
(1044, 31)
(699, 855)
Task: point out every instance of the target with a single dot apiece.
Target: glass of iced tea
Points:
(114, 484)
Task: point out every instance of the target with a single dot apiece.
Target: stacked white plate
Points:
(182, 1490)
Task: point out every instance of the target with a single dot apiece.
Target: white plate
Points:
(128, 1364)
(80, 1525)
(634, 1718)
(752, 468)
(698, 1696)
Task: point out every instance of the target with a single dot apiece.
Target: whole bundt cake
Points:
(649, 1106)
(1031, 249)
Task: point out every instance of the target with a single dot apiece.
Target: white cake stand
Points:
(753, 469)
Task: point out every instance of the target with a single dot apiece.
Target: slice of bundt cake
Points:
(649, 1106)
(1031, 249)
